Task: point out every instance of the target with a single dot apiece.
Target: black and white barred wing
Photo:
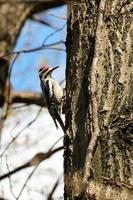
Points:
(48, 93)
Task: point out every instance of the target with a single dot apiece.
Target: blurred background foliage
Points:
(28, 131)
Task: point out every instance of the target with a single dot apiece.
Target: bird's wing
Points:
(47, 89)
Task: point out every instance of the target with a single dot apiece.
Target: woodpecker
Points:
(52, 94)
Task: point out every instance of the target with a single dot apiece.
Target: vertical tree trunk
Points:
(99, 116)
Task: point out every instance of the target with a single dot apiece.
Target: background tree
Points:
(17, 113)
(12, 22)
(99, 118)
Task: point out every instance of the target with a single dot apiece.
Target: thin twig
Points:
(56, 143)
(28, 178)
(11, 67)
(62, 81)
(29, 124)
(53, 189)
(39, 48)
(40, 21)
(38, 158)
(55, 48)
(50, 35)
(59, 17)
(30, 175)
(10, 182)
(14, 127)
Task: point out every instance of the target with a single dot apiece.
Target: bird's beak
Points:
(54, 68)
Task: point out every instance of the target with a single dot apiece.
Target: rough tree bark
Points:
(99, 119)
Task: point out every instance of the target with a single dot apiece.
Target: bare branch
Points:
(53, 189)
(44, 5)
(27, 98)
(10, 182)
(56, 142)
(37, 159)
(28, 178)
(50, 35)
(62, 81)
(57, 182)
(39, 48)
(40, 21)
(29, 124)
(59, 17)
(42, 47)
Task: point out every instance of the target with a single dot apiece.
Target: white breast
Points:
(57, 90)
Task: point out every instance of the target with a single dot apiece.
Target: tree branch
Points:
(27, 98)
(41, 6)
(50, 196)
(10, 182)
(18, 134)
(38, 158)
(42, 22)
(39, 48)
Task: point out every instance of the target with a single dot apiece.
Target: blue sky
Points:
(25, 69)
(38, 137)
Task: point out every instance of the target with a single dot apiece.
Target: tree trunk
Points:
(98, 158)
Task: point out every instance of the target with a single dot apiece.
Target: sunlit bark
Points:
(99, 118)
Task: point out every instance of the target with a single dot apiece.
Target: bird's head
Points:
(45, 71)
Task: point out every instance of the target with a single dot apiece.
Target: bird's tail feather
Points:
(60, 121)
(56, 117)
(55, 123)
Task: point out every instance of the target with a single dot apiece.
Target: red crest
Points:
(43, 68)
